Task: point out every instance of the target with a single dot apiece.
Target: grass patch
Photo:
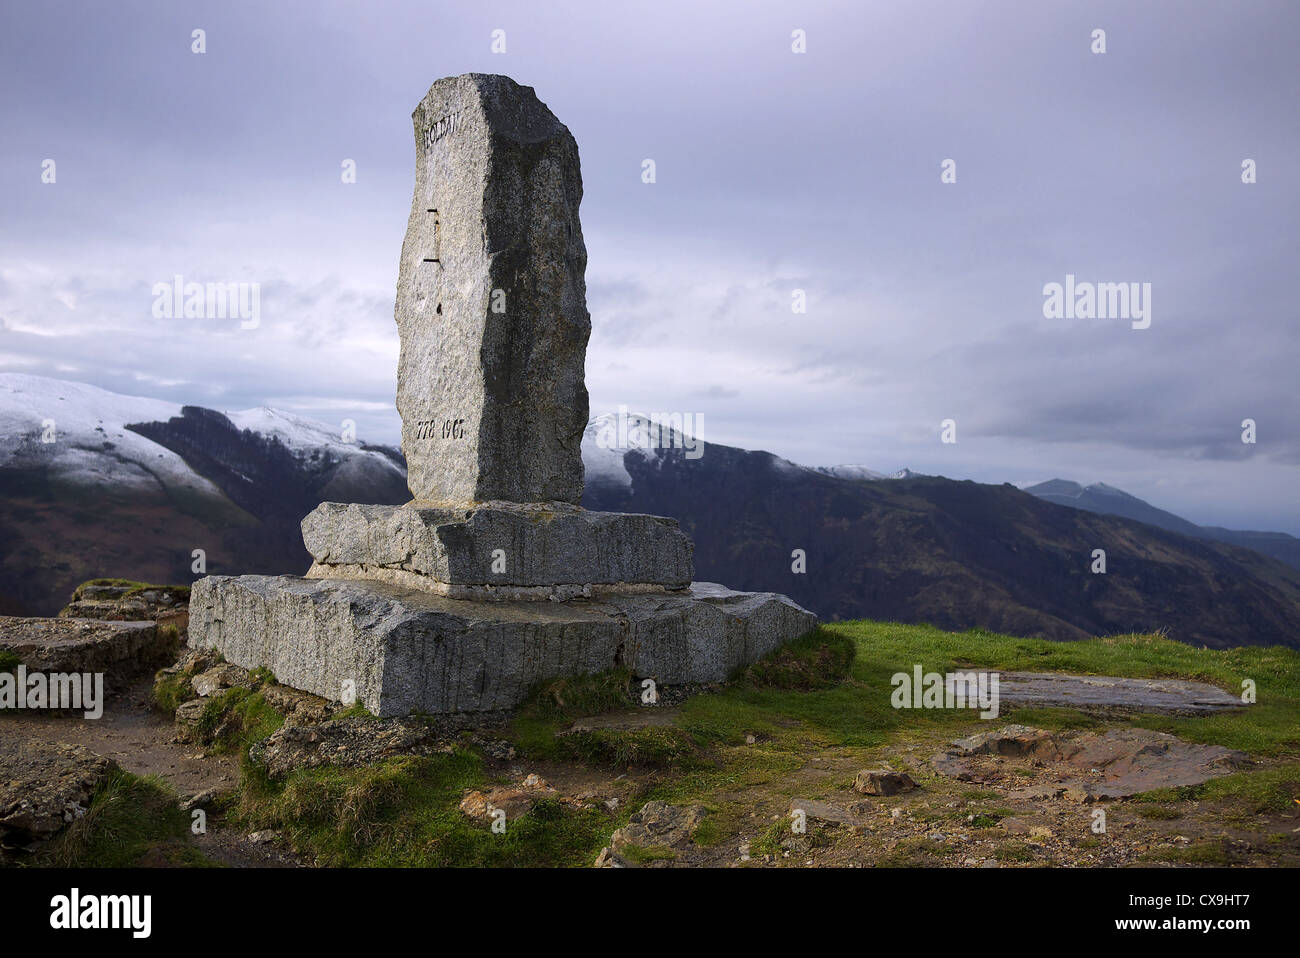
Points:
(641, 855)
(578, 696)
(554, 704)
(354, 711)
(916, 852)
(1250, 793)
(819, 660)
(235, 719)
(131, 821)
(656, 746)
(180, 593)
(984, 818)
(171, 690)
(1206, 852)
(1014, 852)
(404, 812)
(768, 841)
(9, 661)
(1159, 813)
(1266, 728)
(709, 832)
(828, 693)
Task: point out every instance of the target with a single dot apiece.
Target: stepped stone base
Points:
(406, 649)
(497, 551)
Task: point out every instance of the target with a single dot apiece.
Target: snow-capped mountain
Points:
(82, 434)
(93, 483)
(77, 433)
(137, 488)
(863, 473)
(850, 471)
(610, 437)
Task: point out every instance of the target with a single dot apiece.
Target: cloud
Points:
(777, 172)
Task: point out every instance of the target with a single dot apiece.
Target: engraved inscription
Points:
(440, 429)
(445, 126)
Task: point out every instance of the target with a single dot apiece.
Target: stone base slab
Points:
(404, 649)
(118, 649)
(479, 593)
(506, 553)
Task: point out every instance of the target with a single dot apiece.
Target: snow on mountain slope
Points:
(850, 471)
(602, 453)
(863, 473)
(306, 437)
(91, 444)
(609, 438)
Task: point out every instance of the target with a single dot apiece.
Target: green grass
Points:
(1266, 728)
(1014, 852)
(819, 660)
(9, 661)
(235, 719)
(642, 855)
(1205, 852)
(354, 711)
(917, 851)
(1250, 793)
(659, 747)
(405, 812)
(857, 712)
(556, 703)
(169, 691)
(829, 693)
(181, 593)
(983, 818)
(131, 821)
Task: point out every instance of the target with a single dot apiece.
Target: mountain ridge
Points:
(1105, 499)
(956, 554)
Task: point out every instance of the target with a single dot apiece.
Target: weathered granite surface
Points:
(1085, 766)
(491, 300)
(44, 787)
(1113, 693)
(405, 649)
(491, 312)
(118, 649)
(497, 547)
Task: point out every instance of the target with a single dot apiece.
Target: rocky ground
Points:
(744, 776)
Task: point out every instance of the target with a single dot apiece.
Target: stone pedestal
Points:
(499, 552)
(401, 649)
(492, 578)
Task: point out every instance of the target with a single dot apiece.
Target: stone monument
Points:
(493, 577)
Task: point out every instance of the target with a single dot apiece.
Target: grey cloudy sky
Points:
(775, 171)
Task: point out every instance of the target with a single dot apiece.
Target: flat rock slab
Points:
(400, 649)
(348, 743)
(858, 814)
(491, 549)
(44, 787)
(1085, 766)
(118, 649)
(664, 828)
(1101, 692)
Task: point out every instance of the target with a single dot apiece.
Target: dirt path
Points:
(141, 740)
